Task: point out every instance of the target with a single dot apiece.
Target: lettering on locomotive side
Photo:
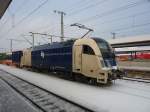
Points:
(42, 54)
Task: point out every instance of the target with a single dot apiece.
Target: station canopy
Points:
(3, 6)
(134, 41)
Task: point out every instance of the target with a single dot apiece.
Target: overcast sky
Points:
(124, 17)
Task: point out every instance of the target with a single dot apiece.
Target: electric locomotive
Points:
(91, 58)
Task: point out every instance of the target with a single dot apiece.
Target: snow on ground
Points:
(123, 96)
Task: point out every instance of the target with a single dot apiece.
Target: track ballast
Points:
(41, 98)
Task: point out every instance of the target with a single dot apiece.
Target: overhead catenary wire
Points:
(107, 13)
(123, 18)
(130, 16)
(116, 10)
(33, 11)
(126, 28)
(135, 26)
(99, 17)
(11, 13)
(24, 18)
(77, 4)
(87, 7)
(79, 10)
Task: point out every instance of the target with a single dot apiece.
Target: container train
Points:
(91, 58)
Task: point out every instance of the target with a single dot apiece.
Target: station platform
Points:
(136, 68)
(135, 65)
(11, 101)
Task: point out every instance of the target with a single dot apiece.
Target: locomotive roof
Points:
(99, 39)
(54, 45)
(19, 51)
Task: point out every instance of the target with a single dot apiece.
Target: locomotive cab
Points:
(94, 58)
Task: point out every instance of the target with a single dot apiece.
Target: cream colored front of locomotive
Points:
(89, 65)
(26, 58)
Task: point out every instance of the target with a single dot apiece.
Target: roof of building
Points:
(141, 40)
(3, 6)
(129, 39)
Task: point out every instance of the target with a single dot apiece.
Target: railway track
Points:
(137, 79)
(41, 98)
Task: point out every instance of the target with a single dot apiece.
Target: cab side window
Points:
(88, 50)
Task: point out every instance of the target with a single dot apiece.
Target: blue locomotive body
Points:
(55, 56)
(16, 57)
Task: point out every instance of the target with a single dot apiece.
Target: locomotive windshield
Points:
(104, 48)
(107, 53)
